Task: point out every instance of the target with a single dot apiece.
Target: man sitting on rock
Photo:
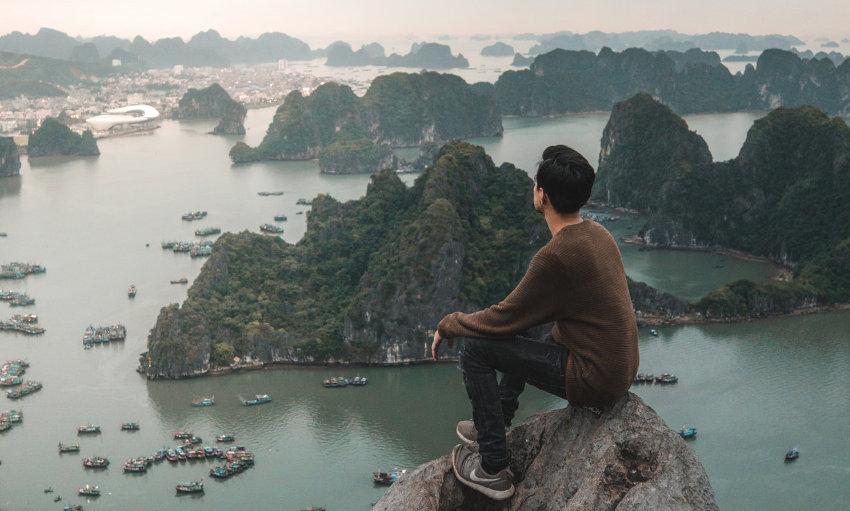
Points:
(589, 358)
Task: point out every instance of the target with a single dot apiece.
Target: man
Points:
(590, 357)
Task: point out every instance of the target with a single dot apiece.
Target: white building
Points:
(116, 62)
(124, 120)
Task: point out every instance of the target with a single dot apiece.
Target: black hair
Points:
(566, 177)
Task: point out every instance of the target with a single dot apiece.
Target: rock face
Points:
(399, 109)
(213, 101)
(573, 460)
(10, 161)
(428, 56)
(358, 156)
(53, 138)
(521, 61)
(340, 53)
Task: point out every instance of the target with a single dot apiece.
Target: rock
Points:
(10, 160)
(53, 138)
(359, 156)
(497, 49)
(213, 101)
(571, 459)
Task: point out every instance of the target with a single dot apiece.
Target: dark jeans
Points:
(521, 360)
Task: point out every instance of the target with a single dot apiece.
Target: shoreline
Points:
(695, 318)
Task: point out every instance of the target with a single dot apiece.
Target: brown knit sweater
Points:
(576, 280)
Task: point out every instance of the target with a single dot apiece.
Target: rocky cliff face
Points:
(360, 156)
(571, 459)
(213, 102)
(10, 161)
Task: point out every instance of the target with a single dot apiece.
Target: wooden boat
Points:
(190, 487)
(259, 399)
(688, 432)
(205, 401)
(66, 448)
(89, 490)
(792, 454)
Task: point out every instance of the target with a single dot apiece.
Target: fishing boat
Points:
(387, 478)
(271, 229)
(88, 429)
(200, 251)
(66, 448)
(225, 438)
(688, 432)
(259, 399)
(644, 378)
(194, 440)
(160, 455)
(22, 301)
(666, 379)
(131, 292)
(653, 332)
(183, 280)
(190, 487)
(89, 490)
(168, 245)
(57, 498)
(182, 435)
(194, 215)
(792, 454)
(25, 389)
(73, 507)
(181, 453)
(130, 426)
(172, 457)
(136, 466)
(95, 462)
(201, 402)
(359, 381)
(304, 202)
(269, 194)
(208, 231)
(280, 218)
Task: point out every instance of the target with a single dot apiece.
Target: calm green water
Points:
(752, 389)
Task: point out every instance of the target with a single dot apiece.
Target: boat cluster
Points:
(16, 299)
(103, 334)
(237, 461)
(20, 270)
(22, 323)
(11, 372)
(194, 215)
(193, 248)
(661, 379)
(9, 418)
(341, 381)
(208, 231)
(271, 229)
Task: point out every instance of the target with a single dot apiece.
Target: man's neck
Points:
(557, 221)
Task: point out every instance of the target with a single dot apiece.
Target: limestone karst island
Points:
(353, 256)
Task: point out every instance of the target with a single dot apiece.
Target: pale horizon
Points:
(340, 19)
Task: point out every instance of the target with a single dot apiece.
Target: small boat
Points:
(269, 194)
(130, 426)
(387, 478)
(644, 378)
(359, 381)
(194, 440)
(206, 401)
(160, 455)
(666, 379)
(271, 229)
(49, 489)
(191, 487)
(89, 490)
(73, 507)
(183, 280)
(792, 454)
(88, 429)
(66, 448)
(280, 218)
(194, 215)
(225, 438)
(135, 467)
(304, 202)
(653, 332)
(95, 462)
(182, 435)
(57, 498)
(688, 432)
(131, 292)
(259, 399)
(208, 231)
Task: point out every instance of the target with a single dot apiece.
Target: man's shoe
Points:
(466, 432)
(467, 468)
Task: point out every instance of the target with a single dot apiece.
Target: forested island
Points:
(563, 81)
(497, 49)
(399, 109)
(10, 160)
(213, 102)
(783, 198)
(356, 155)
(53, 138)
(421, 55)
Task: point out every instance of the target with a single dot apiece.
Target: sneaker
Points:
(466, 464)
(466, 432)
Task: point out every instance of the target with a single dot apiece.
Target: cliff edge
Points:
(571, 459)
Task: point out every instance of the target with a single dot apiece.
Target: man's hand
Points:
(435, 346)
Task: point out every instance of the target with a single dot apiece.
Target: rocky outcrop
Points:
(652, 303)
(213, 102)
(521, 61)
(497, 49)
(10, 160)
(53, 138)
(399, 109)
(428, 56)
(573, 460)
(359, 156)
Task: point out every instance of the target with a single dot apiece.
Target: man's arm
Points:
(532, 302)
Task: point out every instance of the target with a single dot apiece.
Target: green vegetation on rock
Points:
(53, 138)
(357, 156)
(399, 109)
(213, 101)
(784, 197)
(10, 161)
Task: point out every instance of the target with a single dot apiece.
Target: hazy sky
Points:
(330, 18)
